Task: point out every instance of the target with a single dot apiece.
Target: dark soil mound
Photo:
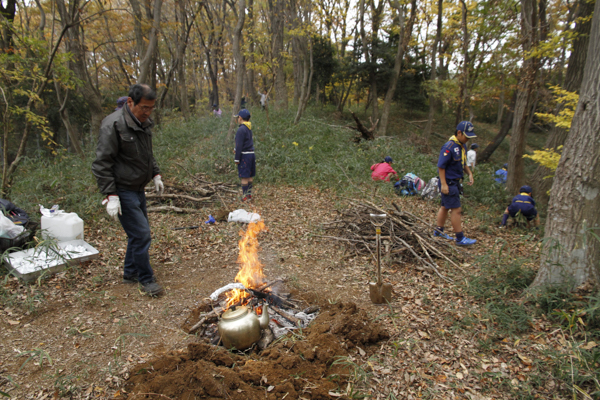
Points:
(296, 366)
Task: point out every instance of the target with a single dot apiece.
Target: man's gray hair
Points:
(141, 91)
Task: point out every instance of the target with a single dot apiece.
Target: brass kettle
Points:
(240, 327)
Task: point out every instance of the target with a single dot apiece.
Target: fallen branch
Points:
(173, 208)
(285, 315)
(176, 196)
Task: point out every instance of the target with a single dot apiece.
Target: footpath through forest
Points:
(84, 334)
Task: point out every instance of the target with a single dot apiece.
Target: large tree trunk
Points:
(239, 66)
(252, 92)
(433, 78)
(277, 8)
(572, 253)
(402, 44)
(8, 13)
(573, 81)
(147, 63)
(525, 95)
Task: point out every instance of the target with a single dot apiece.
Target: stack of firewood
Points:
(404, 236)
(190, 197)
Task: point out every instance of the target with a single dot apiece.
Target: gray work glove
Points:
(113, 205)
(158, 185)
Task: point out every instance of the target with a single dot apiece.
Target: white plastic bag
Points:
(243, 216)
(8, 229)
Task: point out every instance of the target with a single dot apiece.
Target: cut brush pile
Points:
(405, 237)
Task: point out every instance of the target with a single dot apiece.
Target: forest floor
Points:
(83, 334)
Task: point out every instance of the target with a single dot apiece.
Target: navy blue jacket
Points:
(451, 160)
(243, 142)
(522, 202)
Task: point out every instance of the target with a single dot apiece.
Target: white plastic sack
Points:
(8, 229)
(243, 216)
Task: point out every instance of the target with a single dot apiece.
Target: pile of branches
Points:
(192, 196)
(404, 236)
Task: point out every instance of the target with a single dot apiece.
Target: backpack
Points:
(14, 213)
(431, 190)
(409, 185)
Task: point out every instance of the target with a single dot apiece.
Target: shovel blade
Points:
(375, 293)
(386, 292)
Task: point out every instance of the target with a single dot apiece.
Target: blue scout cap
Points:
(474, 146)
(388, 159)
(245, 114)
(121, 102)
(467, 128)
(526, 189)
(505, 166)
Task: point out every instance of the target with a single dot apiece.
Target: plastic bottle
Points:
(62, 227)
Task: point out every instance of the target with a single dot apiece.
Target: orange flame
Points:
(251, 270)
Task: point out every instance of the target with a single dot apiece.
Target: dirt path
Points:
(86, 331)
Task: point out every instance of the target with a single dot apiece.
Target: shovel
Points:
(380, 292)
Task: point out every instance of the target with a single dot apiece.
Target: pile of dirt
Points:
(298, 366)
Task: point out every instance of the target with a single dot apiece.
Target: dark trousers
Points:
(134, 220)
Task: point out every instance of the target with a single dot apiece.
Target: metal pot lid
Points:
(231, 314)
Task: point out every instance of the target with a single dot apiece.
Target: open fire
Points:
(251, 270)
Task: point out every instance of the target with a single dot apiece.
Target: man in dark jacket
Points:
(123, 167)
(244, 153)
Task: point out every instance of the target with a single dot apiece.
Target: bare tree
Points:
(239, 65)
(147, 63)
(405, 35)
(525, 95)
(277, 15)
(572, 250)
(434, 77)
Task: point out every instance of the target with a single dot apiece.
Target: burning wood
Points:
(405, 236)
(241, 305)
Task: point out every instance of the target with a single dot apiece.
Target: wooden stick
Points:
(177, 196)
(205, 317)
(173, 208)
(285, 315)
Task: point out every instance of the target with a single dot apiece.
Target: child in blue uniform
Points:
(244, 153)
(522, 203)
(502, 174)
(451, 164)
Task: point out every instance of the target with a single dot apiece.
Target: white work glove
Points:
(113, 205)
(158, 185)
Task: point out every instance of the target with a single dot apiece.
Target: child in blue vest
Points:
(451, 164)
(522, 203)
(244, 153)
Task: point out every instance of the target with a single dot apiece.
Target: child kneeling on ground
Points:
(522, 203)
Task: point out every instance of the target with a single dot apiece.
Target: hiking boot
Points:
(466, 241)
(130, 279)
(152, 288)
(442, 235)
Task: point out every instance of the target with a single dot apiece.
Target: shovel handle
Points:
(378, 238)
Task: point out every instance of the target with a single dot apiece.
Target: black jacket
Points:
(243, 142)
(124, 157)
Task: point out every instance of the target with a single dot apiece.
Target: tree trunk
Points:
(72, 132)
(239, 66)
(485, 155)
(252, 93)
(146, 65)
(306, 82)
(182, 39)
(402, 44)
(462, 101)
(501, 101)
(433, 78)
(525, 95)
(572, 253)
(277, 8)
(75, 46)
(573, 80)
